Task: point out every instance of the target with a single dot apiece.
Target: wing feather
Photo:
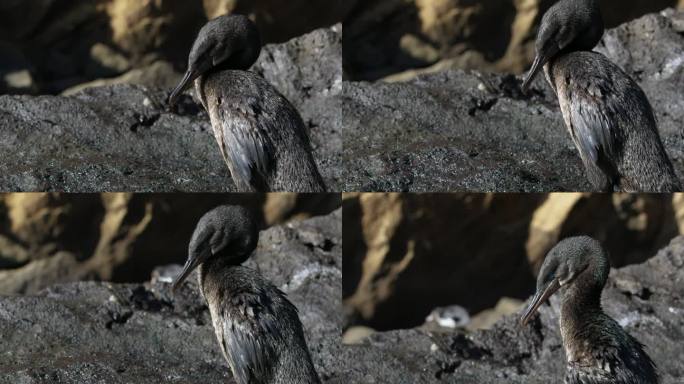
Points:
(247, 145)
(249, 332)
(593, 132)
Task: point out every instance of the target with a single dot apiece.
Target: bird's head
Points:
(228, 232)
(569, 259)
(226, 42)
(546, 46)
(567, 25)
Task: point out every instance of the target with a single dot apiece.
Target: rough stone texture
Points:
(121, 138)
(142, 333)
(308, 72)
(47, 239)
(159, 74)
(468, 131)
(645, 299)
(390, 36)
(406, 254)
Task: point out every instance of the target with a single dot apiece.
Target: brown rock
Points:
(502, 32)
(70, 42)
(279, 21)
(49, 238)
(407, 254)
(418, 252)
(142, 27)
(215, 8)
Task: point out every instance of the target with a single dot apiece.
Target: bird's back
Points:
(257, 327)
(603, 353)
(612, 124)
(261, 134)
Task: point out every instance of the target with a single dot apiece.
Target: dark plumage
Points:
(260, 134)
(569, 25)
(258, 329)
(612, 125)
(608, 116)
(597, 349)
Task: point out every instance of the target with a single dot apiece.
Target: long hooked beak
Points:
(190, 265)
(539, 298)
(536, 66)
(189, 77)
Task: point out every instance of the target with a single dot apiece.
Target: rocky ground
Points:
(458, 130)
(92, 332)
(120, 137)
(645, 299)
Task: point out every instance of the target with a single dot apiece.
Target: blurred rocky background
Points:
(476, 255)
(386, 37)
(50, 238)
(49, 46)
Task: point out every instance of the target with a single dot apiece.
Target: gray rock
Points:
(92, 332)
(456, 130)
(120, 137)
(159, 74)
(308, 72)
(645, 299)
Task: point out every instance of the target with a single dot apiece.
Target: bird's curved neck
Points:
(217, 263)
(240, 61)
(581, 301)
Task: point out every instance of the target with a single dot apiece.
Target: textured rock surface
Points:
(126, 333)
(455, 130)
(406, 254)
(159, 74)
(645, 299)
(47, 239)
(120, 137)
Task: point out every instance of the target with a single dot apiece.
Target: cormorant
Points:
(261, 135)
(607, 114)
(597, 349)
(257, 328)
